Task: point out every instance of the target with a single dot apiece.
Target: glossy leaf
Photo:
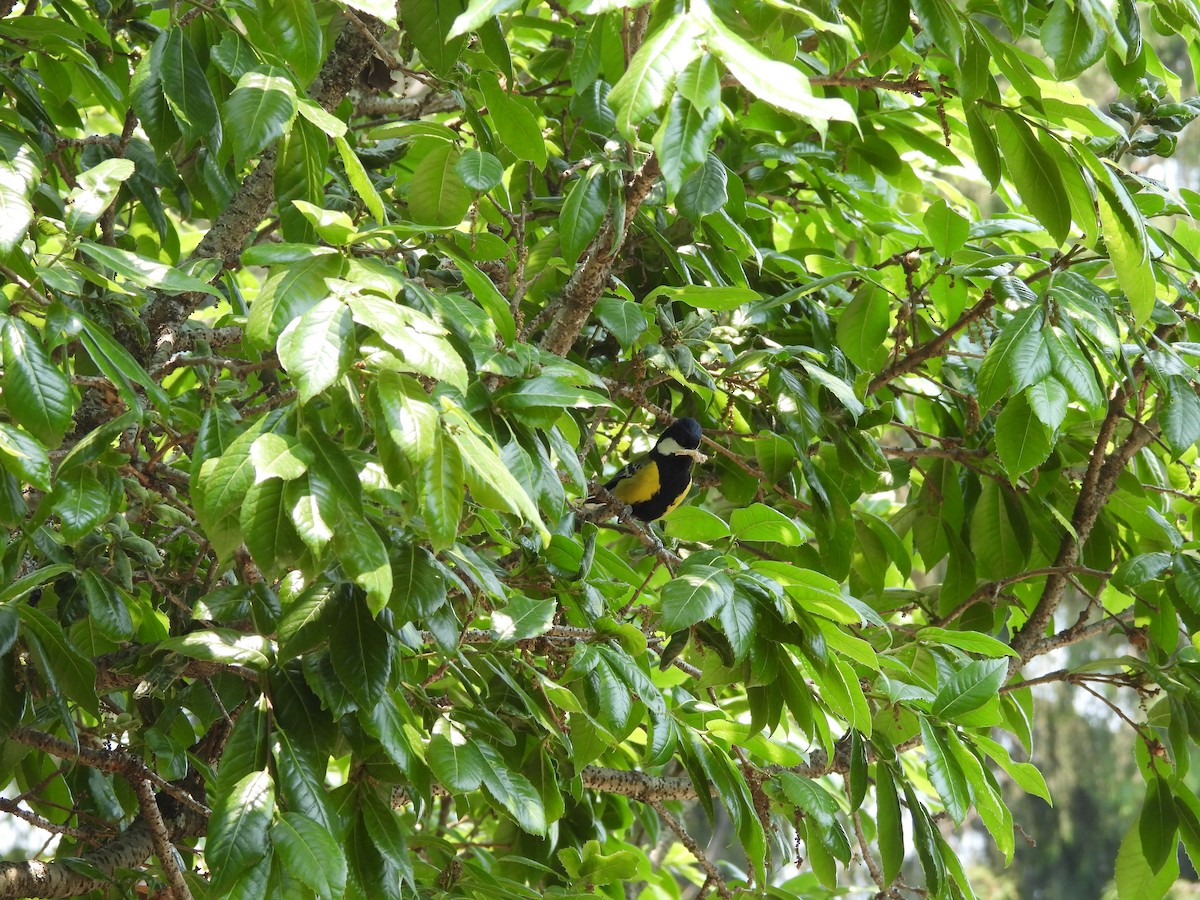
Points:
(259, 111)
(37, 392)
(237, 831)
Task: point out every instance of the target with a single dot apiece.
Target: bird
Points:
(658, 482)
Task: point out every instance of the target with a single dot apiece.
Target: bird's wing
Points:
(636, 483)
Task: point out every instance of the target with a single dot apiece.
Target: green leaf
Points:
(363, 555)
(119, 366)
(704, 297)
(95, 190)
(821, 810)
(238, 828)
(771, 80)
(515, 121)
(428, 24)
(947, 229)
(326, 122)
(1074, 369)
(259, 111)
(758, 522)
(416, 338)
(387, 831)
(971, 641)
(223, 645)
(924, 839)
(624, 319)
(514, 791)
(700, 83)
(290, 292)
(145, 272)
(74, 673)
(695, 593)
(107, 606)
(478, 12)
(318, 347)
(279, 456)
(222, 481)
(941, 20)
(1141, 568)
(884, 24)
(1048, 400)
(16, 212)
(1127, 250)
(486, 292)
(582, 212)
(995, 374)
(969, 688)
(705, 191)
(438, 195)
(523, 618)
(945, 773)
(360, 651)
(22, 586)
(1029, 361)
(836, 386)
(1000, 547)
(652, 71)
(487, 475)
(985, 795)
(1072, 39)
(1180, 416)
(548, 391)
(185, 87)
(294, 31)
(1022, 440)
(410, 421)
(1034, 174)
(441, 484)
(309, 853)
(37, 391)
(862, 328)
(1186, 807)
(22, 455)
(985, 145)
(479, 171)
(1136, 879)
(684, 139)
(455, 762)
(691, 523)
(739, 622)
(888, 822)
(1157, 824)
(357, 175)
(333, 226)
(1026, 775)
(266, 525)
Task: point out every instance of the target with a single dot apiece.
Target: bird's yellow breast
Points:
(641, 485)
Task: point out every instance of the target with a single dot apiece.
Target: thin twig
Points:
(690, 843)
(160, 837)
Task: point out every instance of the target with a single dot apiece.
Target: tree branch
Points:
(118, 761)
(253, 198)
(33, 878)
(588, 281)
(690, 842)
(160, 837)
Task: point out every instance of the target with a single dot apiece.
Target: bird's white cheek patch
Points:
(672, 447)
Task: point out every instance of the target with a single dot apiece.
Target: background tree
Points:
(316, 321)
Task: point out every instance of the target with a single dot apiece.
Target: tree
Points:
(318, 323)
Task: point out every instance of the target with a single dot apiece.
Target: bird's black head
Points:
(683, 435)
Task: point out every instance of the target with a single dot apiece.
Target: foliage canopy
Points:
(317, 322)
